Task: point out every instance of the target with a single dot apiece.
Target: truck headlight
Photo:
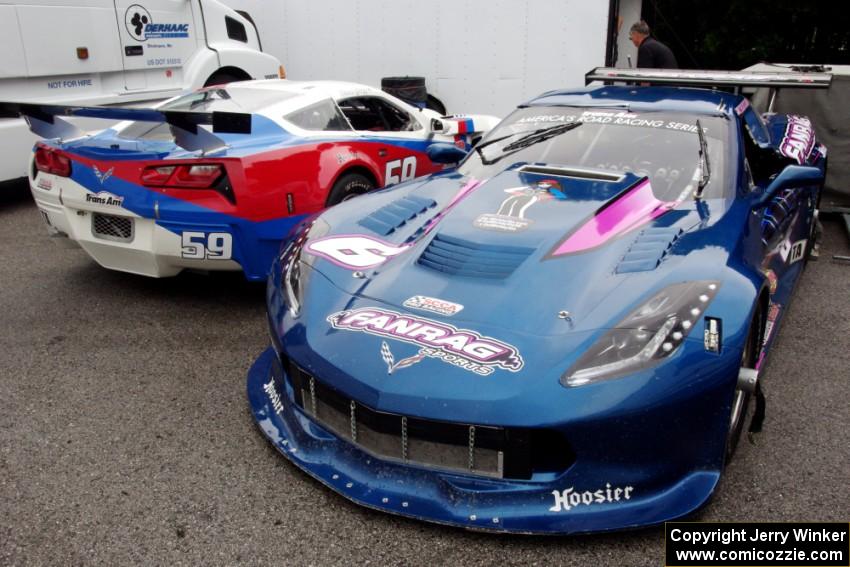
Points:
(645, 336)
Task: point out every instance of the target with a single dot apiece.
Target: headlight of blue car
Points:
(291, 262)
(646, 336)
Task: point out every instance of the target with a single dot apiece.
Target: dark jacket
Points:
(653, 54)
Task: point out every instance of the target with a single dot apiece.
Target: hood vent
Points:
(574, 172)
(648, 250)
(465, 258)
(390, 217)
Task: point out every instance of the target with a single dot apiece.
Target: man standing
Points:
(652, 53)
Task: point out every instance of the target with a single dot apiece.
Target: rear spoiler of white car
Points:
(701, 78)
(45, 121)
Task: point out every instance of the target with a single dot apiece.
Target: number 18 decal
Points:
(212, 246)
(400, 170)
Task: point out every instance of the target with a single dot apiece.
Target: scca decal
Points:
(355, 252)
(438, 340)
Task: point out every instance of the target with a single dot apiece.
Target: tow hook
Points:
(748, 379)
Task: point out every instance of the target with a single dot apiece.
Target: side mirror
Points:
(437, 126)
(791, 176)
(443, 152)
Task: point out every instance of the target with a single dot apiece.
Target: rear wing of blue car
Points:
(735, 80)
(46, 121)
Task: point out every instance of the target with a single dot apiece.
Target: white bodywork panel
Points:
(475, 55)
(41, 63)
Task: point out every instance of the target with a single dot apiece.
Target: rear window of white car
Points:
(324, 115)
(238, 99)
(215, 99)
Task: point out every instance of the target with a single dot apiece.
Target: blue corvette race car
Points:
(564, 333)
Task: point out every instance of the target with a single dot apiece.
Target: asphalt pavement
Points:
(126, 438)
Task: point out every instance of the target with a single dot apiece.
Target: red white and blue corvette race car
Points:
(214, 179)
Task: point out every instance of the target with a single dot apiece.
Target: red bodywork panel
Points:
(262, 181)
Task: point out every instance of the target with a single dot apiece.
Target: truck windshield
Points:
(664, 146)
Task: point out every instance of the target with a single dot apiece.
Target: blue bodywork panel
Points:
(428, 340)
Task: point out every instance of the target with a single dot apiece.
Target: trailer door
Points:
(157, 38)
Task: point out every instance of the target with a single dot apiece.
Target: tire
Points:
(222, 79)
(433, 103)
(348, 186)
(815, 234)
(741, 399)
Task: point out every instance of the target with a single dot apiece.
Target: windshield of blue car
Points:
(663, 146)
(213, 99)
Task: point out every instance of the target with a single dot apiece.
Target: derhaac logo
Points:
(141, 27)
(104, 198)
(460, 347)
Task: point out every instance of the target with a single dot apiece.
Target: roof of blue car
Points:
(675, 99)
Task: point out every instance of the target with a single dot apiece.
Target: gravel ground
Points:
(126, 438)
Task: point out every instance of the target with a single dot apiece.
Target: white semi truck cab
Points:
(124, 52)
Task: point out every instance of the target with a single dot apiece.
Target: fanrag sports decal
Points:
(463, 348)
(799, 139)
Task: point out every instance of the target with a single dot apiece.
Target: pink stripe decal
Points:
(635, 208)
(464, 191)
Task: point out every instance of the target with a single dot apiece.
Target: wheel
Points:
(222, 79)
(815, 235)
(347, 187)
(741, 399)
(433, 103)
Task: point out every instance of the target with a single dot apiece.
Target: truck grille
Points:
(111, 227)
(479, 450)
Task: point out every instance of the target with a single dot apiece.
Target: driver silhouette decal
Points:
(511, 214)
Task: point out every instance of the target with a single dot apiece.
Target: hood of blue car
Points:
(511, 278)
(524, 251)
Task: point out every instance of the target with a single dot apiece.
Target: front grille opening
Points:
(496, 452)
(111, 227)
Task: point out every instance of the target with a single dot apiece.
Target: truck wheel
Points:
(349, 186)
(222, 78)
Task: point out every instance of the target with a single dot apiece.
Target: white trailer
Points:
(477, 56)
(117, 52)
